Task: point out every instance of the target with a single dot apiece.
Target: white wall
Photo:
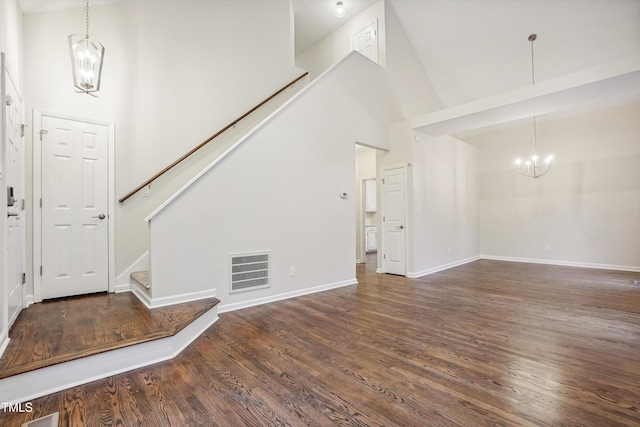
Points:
(586, 209)
(279, 191)
(11, 39)
(175, 72)
(445, 219)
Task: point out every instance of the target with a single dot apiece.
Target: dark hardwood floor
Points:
(486, 343)
(65, 329)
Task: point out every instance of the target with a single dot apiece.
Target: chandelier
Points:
(86, 60)
(534, 167)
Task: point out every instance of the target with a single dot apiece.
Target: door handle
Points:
(12, 214)
(400, 227)
(101, 216)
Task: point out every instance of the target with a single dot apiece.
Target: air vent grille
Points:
(250, 271)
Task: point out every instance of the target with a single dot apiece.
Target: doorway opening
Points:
(367, 206)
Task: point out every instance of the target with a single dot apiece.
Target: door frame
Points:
(37, 194)
(382, 238)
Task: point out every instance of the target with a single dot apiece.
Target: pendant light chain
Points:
(532, 38)
(86, 11)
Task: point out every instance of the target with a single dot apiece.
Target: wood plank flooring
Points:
(485, 344)
(65, 329)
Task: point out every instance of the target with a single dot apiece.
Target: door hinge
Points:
(43, 132)
(384, 218)
(22, 130)
(41, 270)
(384, 256)
(40, 202)
(382, 180)
(24, 278)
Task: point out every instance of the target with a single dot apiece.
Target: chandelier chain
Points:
(86, 12)
(532, 38)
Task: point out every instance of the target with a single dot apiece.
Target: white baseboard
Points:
(151, 302)
(123, 281)
(28, 301)
(41, 382)
(273, 298)
(563, 263)
(415, 275)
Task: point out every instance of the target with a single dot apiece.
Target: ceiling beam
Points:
(617, 79)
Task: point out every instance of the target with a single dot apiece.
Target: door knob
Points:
(101, 216)
(401, 227)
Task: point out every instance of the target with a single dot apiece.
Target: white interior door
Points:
(75, 235)
(393, 221)
(14, 197)
(365, 42)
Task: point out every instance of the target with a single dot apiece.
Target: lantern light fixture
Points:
(87, 57)
(340, 12)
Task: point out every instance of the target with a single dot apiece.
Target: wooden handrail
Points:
(211, 138)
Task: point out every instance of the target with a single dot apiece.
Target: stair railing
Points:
(211, 138)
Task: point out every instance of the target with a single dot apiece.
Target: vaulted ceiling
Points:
(472, 49)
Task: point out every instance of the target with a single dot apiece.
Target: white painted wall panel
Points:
(280, 192)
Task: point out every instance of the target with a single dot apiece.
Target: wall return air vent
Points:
(250, 271)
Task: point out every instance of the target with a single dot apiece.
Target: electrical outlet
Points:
(292, 271)
(145, 191)
(448, 251)
(547, 248)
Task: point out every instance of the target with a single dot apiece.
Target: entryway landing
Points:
(66, 329)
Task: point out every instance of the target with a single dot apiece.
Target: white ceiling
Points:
(472, 49)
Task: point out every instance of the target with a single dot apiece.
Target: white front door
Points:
(365, 42)
(393, 221)
(75, 253)
(15, 195)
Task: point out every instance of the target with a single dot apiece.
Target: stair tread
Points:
(142, 277)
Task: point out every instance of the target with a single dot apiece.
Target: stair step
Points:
(141, 277)
(163, 333)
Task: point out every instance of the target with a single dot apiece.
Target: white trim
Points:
(563, 263)
(41, 382)
(241, 141)
(223, 308)
(37, 194)
(150, 302)
(441, 267)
